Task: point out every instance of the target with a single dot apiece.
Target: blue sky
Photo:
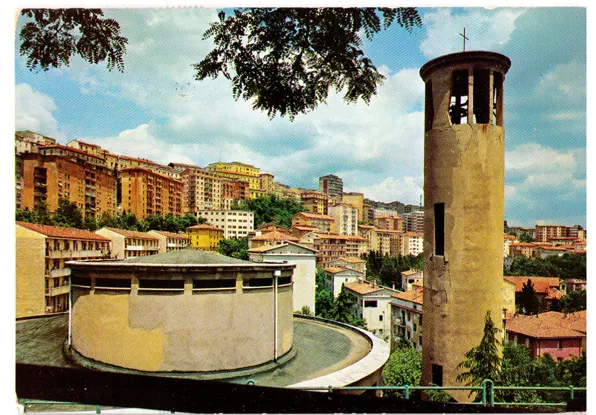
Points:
(156, 110)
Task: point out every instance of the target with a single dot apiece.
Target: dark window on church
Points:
(437, 375)
(458, 105)
(439, 228)
(429, 113)
(482, 96)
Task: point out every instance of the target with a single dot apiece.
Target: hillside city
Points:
(358, 261)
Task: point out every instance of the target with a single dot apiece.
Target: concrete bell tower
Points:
(463, 208)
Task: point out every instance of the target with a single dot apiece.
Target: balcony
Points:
(54, 291)
(61, 272)
(69, 253)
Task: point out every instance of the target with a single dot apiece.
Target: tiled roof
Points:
(366, 226)
(131, 234)
(352, 259)
(336, 236)
(58, 232)
(548, 325)
(265, 248)
(275, 236)
(304, 227)
(205, 226)
(186, 256)
(314, 216)
(415, 296)
(363, 287)
(172, 235)
(554, 294)
(410, 272)
(414, 235)
(541, 284)
(523, 245)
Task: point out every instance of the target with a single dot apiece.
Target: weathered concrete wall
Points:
(464, 169)
(30, 272)
(186, 330)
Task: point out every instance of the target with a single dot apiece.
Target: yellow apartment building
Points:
(127, 244)
(239, 171)
(205, 237)
(315, 202)
(42, 279)
(323, 223)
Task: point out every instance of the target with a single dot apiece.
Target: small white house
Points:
(304, 274)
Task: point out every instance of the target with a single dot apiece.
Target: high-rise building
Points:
(146, 192)
(463, 208)
(234, 223)
(545, 232)
(58, 172)
(315, 202)
(331, 185)
(346, 219)
(356, 200)
(414, 221)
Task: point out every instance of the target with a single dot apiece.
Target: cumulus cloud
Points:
(406, 189)
(34, 112)
(544, 180)
(486, 30)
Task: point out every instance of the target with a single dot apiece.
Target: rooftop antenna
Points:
(465, 38)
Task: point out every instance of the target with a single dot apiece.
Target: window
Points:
(370, 303)
(482, 105)
(81, 281)
(437, 375)
(439, 215)
(155, 284)
(559, 344)
(112, 283)
(284, 280)
(429, 110)
(213, 284)
(497, 99)
(381, 317)
(258, 282)
(458, 105)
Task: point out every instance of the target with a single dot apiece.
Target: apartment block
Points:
(239, 171)
(387, 242)
(373, 304)
(234, 223)
(146, 192)
(356, 200)
(205, 237)
(323, 223)
(355, 263)
(315, 202)
(272, 238)
(59, 172)
(412, 243)
(266, 181)
(414, 221)
(368, 213)
(522, 249)
(381, 212)
(546, 232)
(406, 317)
(332, 247)
(345, 219)
(390, 222)
(332, 186)
(169, 241)
(128, 244)
(42, 277)
(28, 142)
(204, 190)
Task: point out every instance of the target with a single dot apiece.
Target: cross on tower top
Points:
(465, 38)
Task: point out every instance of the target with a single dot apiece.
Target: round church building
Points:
(184, 311)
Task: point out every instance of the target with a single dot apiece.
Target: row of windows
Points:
(159, 284)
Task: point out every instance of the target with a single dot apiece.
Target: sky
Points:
(156, 110)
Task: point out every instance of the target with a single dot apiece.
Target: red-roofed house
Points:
(42, 278)
(546, 288)
(323, 223)
(338, 276)
(126, 244)
(351, 263)
(271, 238)
(169, 241)
(406, 317)
(560, 335)
(373, 304)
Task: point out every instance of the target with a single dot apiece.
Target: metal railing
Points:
(486, 390)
